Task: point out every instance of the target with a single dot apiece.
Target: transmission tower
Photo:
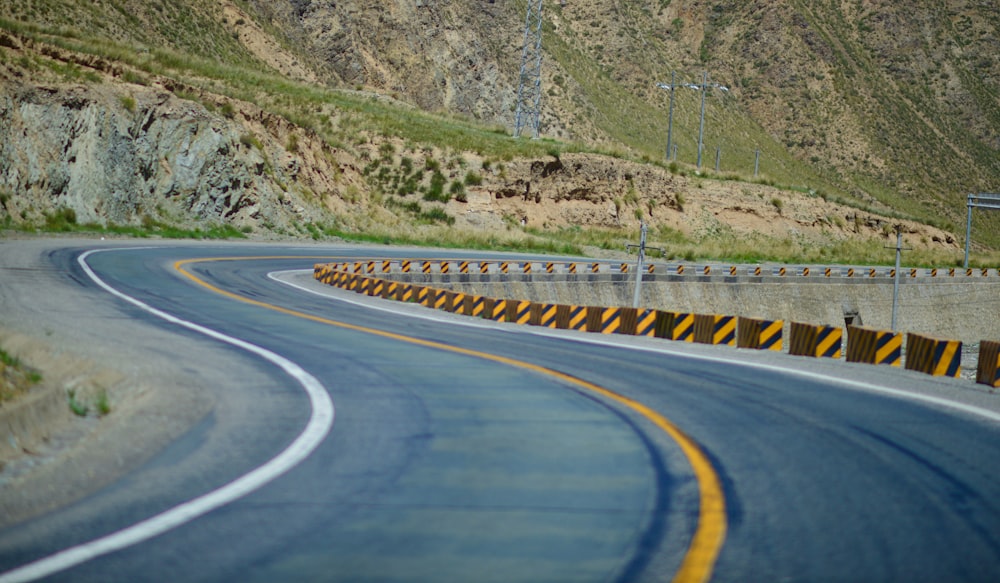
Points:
(529, 88)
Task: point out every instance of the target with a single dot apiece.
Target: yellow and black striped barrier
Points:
(645, 323)
(456, 302)
(988, 371)
(714, 329)
(527, 267)
(674, 326)
(544, 315)
(874, 346)
(474, 305)
(442, 300)
(404, 265)
(595, 268)
(504, 267)
(571, 267)
(636, 322)
(815, 341)
(484, 267)
(463, 267)
(494, 309)
(933, 356)
(422, 295)
(623, 268)
(680, 270)
(518, 311)
(628, 320)
(759, 334)
(390, 290)
(603, 320)
(571, 317)
(405, 292)
(929, 355)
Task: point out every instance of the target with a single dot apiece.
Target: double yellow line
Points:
(710, 533)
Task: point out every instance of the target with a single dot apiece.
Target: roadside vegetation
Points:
(15, 378)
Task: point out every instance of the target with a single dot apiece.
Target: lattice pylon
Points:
(529, 88)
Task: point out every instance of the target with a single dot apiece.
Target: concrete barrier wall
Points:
(988, 372)
(865, 344)
(933, 356)
(965, 311)
(817, 341)
(873, 346)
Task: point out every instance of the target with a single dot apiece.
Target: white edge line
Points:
(846, 383)
(316, 429)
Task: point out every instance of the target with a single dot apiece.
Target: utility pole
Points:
(529, 88)
(895, 280)
(670, 116)
(638, 262)
(704, 87)
(638, 266)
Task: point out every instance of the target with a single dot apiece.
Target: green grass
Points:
(76, 405)
(64, 221)
(15, 377)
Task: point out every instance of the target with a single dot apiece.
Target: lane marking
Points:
(320, 422)
(710, 533)
(939, 402)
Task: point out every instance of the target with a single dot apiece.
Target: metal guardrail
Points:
(700, 271)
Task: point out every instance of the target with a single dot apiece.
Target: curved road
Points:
(443, 465)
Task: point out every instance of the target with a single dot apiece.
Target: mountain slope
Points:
(900, 101)
(887, 107)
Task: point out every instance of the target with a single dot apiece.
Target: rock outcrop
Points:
(135, 154)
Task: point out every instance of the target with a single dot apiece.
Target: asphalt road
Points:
(447, 466)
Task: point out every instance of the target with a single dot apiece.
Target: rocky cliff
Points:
(143, 154)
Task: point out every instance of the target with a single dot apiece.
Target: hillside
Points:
(899, 101)
(363, 116)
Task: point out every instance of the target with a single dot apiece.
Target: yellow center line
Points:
(710, 534)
